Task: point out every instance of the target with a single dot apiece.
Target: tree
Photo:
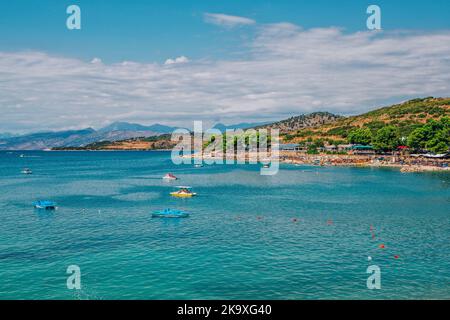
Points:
(360, 136)
(433, 136)
(312, 149)
(417, 139)
(387, 138)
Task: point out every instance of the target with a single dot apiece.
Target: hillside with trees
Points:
(421, 124)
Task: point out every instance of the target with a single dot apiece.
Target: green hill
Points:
(406, 122)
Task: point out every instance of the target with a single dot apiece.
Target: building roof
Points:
(289, 145)
(361, 147)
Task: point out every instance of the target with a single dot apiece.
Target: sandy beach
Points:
(404, 163)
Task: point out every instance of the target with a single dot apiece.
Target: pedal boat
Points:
(183, 192)
(46, 205)
(169, 213)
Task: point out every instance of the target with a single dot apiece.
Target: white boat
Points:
(435, 156)
(170, 176)
(27, 171)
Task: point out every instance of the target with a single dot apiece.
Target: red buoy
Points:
(382, 246)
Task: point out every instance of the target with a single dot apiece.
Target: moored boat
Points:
(27, 171)
(45, 204)
(170, 213)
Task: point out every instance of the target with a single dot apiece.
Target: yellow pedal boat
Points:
(183, 192)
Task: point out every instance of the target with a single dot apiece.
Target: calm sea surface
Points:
(241, 241)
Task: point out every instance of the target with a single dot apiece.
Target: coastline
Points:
(402, 162)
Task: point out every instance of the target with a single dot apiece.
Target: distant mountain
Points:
(43, 140)
(7, 135)
(243, 125)
(117, 131)
(309, 120)
(125, 126)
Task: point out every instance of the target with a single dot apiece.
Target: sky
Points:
(229, 61)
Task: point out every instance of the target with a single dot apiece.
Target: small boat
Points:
(22, 156)
(44, 204)
(266, 166)
(27, 171)
(183, 192)
(169, 213)
(170, 176)
(198, 165)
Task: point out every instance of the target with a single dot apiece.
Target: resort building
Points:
(362, 150)
(290, 147)
(344, 147)
(331, 148)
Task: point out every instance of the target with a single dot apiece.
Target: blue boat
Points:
(169, 213)
(44, 204)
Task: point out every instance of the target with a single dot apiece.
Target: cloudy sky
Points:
(173, 62)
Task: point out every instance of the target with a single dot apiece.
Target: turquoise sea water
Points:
(241, 241)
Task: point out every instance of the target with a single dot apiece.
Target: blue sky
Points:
(217, 60)
(146, 31)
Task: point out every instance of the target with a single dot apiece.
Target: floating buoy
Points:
(396, 256)
(382, 246)
(329, 222)
(294, 220)
(259, 218)
(369, 258)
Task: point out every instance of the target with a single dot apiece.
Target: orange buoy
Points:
(382, 246)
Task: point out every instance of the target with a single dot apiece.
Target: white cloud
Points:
(96, 61)
(226, 20)
(288, 71)
(178, 60)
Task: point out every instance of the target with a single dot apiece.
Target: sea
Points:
(308, 232)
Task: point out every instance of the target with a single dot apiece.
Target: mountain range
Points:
(123, 131)
(79, 138)
(117, 131)
(316, 125)
(244, 125)
(319, 127)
